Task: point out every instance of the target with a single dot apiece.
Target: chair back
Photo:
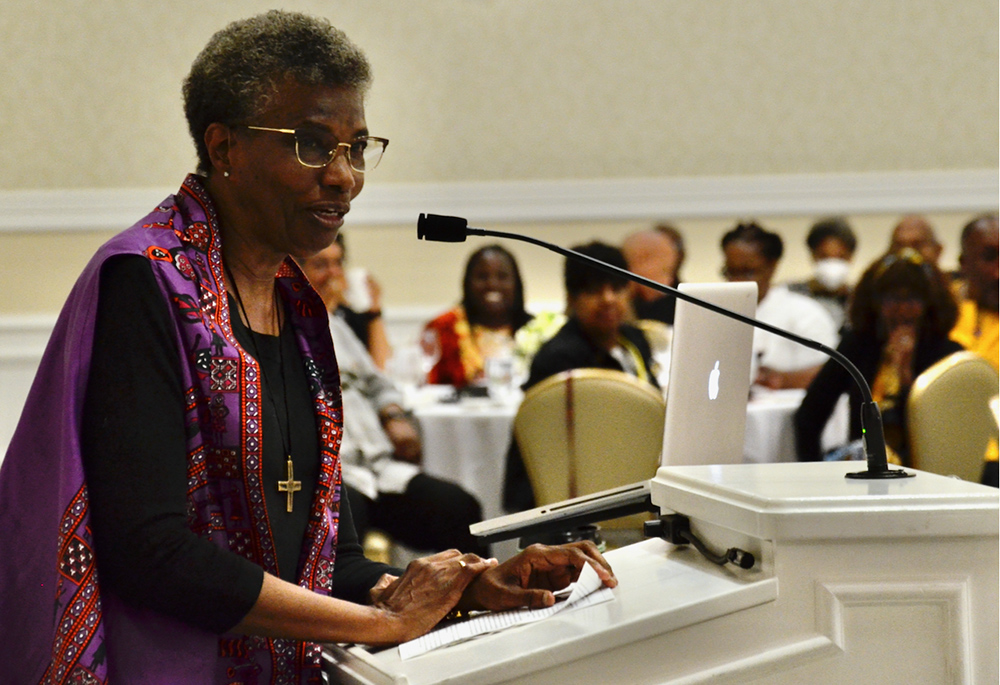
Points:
(587, 430)
(949, 419)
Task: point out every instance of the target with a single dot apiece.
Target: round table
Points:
(466, 442)
(770, 429)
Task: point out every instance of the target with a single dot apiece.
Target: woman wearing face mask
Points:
(831, 243)
(899, 320)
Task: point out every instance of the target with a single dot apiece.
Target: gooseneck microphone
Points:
(453, 229)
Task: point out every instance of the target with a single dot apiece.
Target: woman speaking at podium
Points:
(171, 501)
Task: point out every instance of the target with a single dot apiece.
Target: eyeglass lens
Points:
(316, 150)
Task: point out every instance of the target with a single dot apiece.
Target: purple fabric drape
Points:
(56, 625)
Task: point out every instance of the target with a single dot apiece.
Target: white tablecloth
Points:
(770, 431)
(467, 442)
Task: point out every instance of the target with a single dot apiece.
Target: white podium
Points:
(857, 581)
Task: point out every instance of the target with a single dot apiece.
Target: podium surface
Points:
(856, 581)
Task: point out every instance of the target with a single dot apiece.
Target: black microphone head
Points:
(445, 229)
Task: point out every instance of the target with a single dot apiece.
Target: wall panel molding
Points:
(949, 599)
(23, 337)
(969, 190)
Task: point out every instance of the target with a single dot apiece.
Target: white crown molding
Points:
(23, 337)
(970, 190)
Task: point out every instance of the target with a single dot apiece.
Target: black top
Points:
(661, 309)
(358, 322)
(571, 349)
(833, 380)
(134, 445)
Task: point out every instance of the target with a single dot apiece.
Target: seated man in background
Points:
(977, 328)
(595, 336)
(656, 254)
(328, 276)
(752, 254)
(916, 233)
(831, 245)
(381, 449)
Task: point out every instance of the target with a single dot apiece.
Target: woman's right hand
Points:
(428, 589)
(900, 347)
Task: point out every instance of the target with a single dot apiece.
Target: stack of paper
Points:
(586, 591)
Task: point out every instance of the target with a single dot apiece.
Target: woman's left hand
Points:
(528, 579)
(416, 601)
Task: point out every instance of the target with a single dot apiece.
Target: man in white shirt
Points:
(380, 448)
(752, 254)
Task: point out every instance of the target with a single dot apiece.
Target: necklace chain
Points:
(289, 486)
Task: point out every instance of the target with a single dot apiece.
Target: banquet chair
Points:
(949, 420)
(587, 430)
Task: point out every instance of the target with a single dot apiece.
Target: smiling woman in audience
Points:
(483, 325)
(186, 419)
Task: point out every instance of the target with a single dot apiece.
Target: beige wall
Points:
(514, 90)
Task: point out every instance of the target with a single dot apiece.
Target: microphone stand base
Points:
(879, 475)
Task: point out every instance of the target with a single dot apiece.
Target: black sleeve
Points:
(358, 323)
(561, 353)
(817, 406)
(518, 495)
(353, 574)
(134, 446)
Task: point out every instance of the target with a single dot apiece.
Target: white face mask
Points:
(832, 273)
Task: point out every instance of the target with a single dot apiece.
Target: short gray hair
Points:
(244, 63)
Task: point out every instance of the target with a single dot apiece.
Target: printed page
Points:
(586, 591)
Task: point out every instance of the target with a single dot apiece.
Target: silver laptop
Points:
(709, 381)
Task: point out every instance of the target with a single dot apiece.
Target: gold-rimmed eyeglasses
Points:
(316, 150)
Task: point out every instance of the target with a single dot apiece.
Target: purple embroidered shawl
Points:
(55, 623)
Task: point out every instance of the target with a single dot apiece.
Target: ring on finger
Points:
(462, 563)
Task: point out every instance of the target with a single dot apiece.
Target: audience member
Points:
(977, 328)
(595, 336)
(752, 254)
(916, 233)
(483, 325)
(326, 273)
(656, 254)
(899, 321)
(831, 245)
(380, 448)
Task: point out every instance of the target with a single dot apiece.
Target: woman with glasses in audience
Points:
(172, 500)
(483, 325)
(898, 325)
(752, 253)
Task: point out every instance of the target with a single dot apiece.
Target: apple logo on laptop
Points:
(713, 382)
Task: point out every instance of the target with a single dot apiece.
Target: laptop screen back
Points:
(709, 381)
